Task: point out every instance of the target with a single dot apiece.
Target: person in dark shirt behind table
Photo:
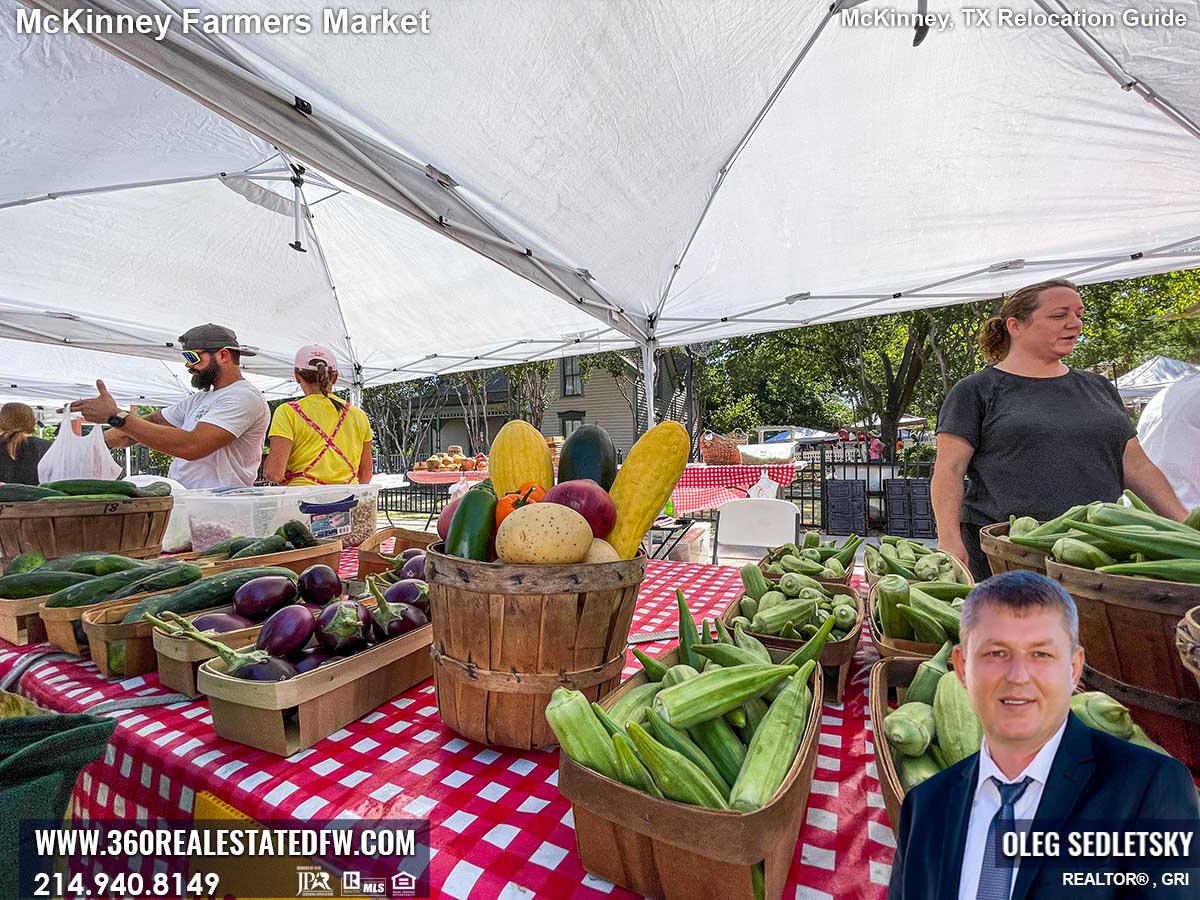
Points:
(20, 449)
(1034, 436)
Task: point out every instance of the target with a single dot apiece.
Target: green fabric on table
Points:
(40, 759)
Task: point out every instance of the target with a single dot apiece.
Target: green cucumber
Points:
(155, 489)
(95, 590)
(272, 544)
(298, 534)
(37, 584)
(26, 562)
(78, 487)
(215, 590)
(176, 576)
(225, 548)
(104, 564)
(109, 497)
(22, 493)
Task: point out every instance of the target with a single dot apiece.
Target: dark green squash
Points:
(588, 453)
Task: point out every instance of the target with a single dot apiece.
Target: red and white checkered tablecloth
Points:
(707, 487)
(499, 827)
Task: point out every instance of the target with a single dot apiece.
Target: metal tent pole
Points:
(648, 378)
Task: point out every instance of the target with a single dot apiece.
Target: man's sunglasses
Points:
(192, 357)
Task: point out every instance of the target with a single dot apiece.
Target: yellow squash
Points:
(519, 455)
(644, 483)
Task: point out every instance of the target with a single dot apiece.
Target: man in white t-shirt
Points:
(216, 435)
(1169, 430)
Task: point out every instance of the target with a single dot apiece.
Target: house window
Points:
(572, 377)
(569, 421)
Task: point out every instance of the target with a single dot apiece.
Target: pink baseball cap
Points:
(306, 356)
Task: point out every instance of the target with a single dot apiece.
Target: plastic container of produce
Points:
(259, 511)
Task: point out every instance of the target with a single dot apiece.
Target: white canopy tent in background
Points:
(645, 174)
(1146, 380)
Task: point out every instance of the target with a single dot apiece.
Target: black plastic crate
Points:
(845, 507)
(909, 509)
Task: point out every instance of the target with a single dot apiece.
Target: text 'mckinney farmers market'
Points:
(332, 20)
(1013, 17)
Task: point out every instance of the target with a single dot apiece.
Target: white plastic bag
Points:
(75, 456)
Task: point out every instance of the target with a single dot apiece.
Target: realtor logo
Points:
(404, 885)
(354, 883)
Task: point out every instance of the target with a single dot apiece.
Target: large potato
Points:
(543, 534)
(601, 551)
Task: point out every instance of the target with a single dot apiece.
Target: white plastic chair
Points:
(756, 523)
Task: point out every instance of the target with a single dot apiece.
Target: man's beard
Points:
(203, 379)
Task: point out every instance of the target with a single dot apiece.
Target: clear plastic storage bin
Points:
(259, 511)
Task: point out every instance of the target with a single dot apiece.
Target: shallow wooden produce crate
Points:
(284, 717)
(894, 646)
(837, 655)
(660, 848)
(372, 562)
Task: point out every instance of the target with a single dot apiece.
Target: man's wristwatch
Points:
(118, 421)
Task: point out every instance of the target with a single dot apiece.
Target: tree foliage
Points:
(531, 388)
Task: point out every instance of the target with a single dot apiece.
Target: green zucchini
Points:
(215, 590)
(26, 562)
(176, 576)
(36, 584)
(272, 544)
(22, 493)
(95, 590)
(79, 487)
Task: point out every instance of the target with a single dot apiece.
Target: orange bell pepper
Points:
(522, 496)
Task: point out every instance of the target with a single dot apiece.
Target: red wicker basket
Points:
(720, 449)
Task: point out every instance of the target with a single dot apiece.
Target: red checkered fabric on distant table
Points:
(707, 487)
(499, 827)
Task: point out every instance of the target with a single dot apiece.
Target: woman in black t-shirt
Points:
(1034, 436)
(20, 451)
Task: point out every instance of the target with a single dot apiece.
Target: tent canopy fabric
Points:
(801, 435)
(1152, 376)
(537, 178)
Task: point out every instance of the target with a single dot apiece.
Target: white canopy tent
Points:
(644, 173)
(1146, 380)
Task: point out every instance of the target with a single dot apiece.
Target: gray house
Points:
(596, 400)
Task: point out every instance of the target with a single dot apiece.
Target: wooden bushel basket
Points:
(1187, 642)
(1005, 556)
(1128, 627)
(887, 675)
(659, 848)
(505, 636)
(132, 527)
(887, 646)
(835, 654)
(370, 559)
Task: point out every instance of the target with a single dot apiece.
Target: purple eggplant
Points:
(342, 627)
(287, 630)
(319, 584)
(414, 568)
(411, 552)
(260, 597)
(392, 618)
(410, 590)
(221, 622)
(312, 658)
(251, 665)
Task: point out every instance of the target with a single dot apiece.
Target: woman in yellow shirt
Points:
(318, 439)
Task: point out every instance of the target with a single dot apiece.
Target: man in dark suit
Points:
(1019, 660)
